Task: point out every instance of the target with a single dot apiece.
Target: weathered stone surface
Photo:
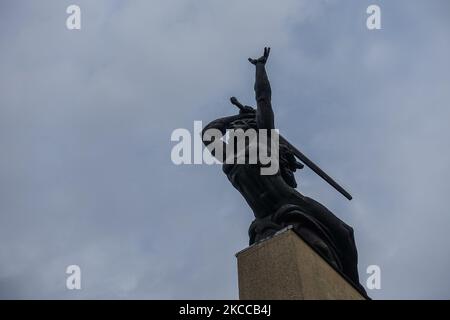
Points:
(285, 267)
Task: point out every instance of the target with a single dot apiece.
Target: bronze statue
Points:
(274, 200)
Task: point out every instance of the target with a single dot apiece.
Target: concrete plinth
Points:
(285, 267)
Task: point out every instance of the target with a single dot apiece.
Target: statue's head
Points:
(288, 162)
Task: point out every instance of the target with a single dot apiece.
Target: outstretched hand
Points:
(262, 59)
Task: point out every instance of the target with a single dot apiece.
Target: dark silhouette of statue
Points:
(274, 200)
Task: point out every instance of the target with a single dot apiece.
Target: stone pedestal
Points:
(285, 267)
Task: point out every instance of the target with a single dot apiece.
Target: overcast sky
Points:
(86, 117)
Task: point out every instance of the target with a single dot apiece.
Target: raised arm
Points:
(263, 93)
